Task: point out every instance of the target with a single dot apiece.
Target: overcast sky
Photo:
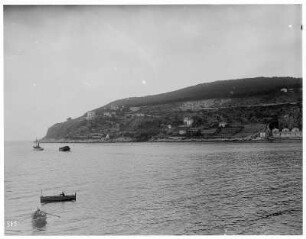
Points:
(61, 61)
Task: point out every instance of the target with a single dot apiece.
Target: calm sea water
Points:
(156, 188)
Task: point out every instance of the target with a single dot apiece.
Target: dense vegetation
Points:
(220, 89)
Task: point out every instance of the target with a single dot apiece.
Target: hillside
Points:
(220, 89)
(246, 106)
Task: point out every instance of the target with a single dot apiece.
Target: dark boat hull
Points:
(38, 148)
(64, 149)
(48, 199)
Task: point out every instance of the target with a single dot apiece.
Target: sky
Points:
(62, 61)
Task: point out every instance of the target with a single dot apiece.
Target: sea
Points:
(155, 188)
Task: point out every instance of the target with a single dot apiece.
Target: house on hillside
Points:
(264, 132)
(222, 124)
(114, 107)
(90, 115)
(284, 90)
(109, 114)
(285, 130)
(275, 132)
(296, 132)
(182, 132)
(134, 109)
(188, 121)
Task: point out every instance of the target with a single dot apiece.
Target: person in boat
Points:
(62, 194)
(38, 213)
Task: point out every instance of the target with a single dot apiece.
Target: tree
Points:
(197, 121)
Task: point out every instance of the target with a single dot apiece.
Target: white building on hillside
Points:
(188, 121)
(90, 115)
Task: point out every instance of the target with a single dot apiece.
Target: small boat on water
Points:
(64, 149)
(39, 218)
(36, 146)
(58, 198)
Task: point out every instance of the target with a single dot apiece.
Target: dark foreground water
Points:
(156, 188)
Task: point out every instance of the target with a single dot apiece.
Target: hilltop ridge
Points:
(238, 88)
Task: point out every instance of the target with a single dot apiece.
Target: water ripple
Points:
(157, 189)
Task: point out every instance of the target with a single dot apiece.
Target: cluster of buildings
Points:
(112, 111)
(203, 104)
(286, 133)
(286, 90)
(188, 129)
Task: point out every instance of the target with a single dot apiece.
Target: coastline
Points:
(176, 140)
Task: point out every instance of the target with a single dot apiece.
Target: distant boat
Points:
(36, 146)
(58, 198)
(64, 149)
(39, 218)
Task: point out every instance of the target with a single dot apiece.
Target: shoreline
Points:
(178, 140)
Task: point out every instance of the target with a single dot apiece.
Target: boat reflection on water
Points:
(39, 226)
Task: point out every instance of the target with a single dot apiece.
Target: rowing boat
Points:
(36, 147)
(64, 149)
(57, 198)
(39, 218)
